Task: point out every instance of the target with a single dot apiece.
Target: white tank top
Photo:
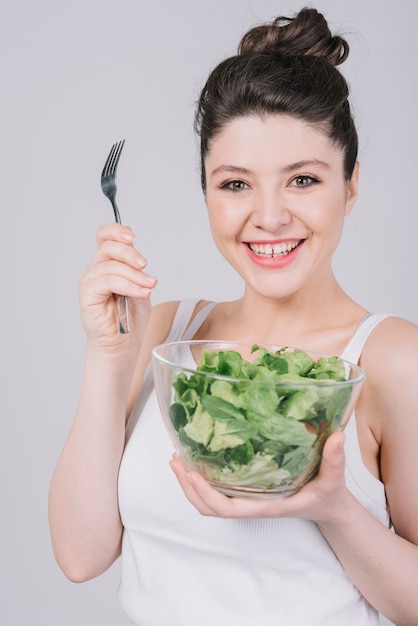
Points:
(180, 568)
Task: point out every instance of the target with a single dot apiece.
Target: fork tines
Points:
(113, 159)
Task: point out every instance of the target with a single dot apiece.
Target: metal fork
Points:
(108, 184)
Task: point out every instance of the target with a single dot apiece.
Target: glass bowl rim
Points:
(360, 373)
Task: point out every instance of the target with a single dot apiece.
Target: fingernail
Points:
(140, 261)
(128, 236)
(172, 461)
(340, 445)
(150, 281)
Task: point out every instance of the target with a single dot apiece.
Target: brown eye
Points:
(304, 181)
(235, 185)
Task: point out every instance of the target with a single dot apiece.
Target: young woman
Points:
(279, 174)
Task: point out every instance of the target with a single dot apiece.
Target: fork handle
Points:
(121, 301)
(123, 312)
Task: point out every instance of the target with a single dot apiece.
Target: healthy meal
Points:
(258, 423)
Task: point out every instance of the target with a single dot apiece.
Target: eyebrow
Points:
(232, 169)
(300, 165)
(291, 167)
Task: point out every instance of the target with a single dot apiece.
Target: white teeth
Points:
(277, 249)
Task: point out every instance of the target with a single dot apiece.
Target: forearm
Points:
(84, 516)
(382, 565)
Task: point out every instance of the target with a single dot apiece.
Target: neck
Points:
(313, 300)
(299, 319)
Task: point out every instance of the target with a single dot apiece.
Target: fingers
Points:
(116, 242)
(210, 502)
(117, 276)
(317, 500)
(115, 232)
(188, 481)
(117, 266)
(333, 458)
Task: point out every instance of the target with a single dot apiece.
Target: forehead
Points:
(278, 137)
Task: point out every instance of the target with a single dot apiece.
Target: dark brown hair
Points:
(288, 67)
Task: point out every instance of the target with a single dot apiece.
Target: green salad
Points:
(261, 423)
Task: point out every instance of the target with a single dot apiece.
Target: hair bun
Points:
(306, 34)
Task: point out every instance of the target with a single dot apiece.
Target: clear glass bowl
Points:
(247, 434)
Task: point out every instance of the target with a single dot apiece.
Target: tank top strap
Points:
(355, 346)
(181, 319)
(197, 321)
(182, 328)
(368, 489)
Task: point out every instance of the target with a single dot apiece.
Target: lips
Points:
(274, 254)
(273, 250)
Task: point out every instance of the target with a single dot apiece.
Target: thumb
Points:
(333, 452)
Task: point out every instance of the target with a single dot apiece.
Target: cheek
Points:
(222, 219)
(216, 221)
(328, 213)
(329, 225)
(221, 231)
(225, 229)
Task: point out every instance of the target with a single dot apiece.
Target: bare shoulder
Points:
(390, 359)
(159, 325)
(162, 317)
(391, 348)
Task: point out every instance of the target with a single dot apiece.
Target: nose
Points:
(270, 211)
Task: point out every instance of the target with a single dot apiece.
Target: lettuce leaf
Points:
(250, 431)
(262, 471)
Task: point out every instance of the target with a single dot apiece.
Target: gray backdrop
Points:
(77, 76)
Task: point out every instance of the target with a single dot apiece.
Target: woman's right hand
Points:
(116, 268)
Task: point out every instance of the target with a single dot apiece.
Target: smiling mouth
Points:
(274, 250)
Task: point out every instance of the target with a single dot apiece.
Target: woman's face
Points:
(277, 198)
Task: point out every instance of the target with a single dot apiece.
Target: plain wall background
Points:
(77, 76)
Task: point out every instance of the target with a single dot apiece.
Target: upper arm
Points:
(392, 369)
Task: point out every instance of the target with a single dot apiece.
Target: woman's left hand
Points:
(319, 500)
